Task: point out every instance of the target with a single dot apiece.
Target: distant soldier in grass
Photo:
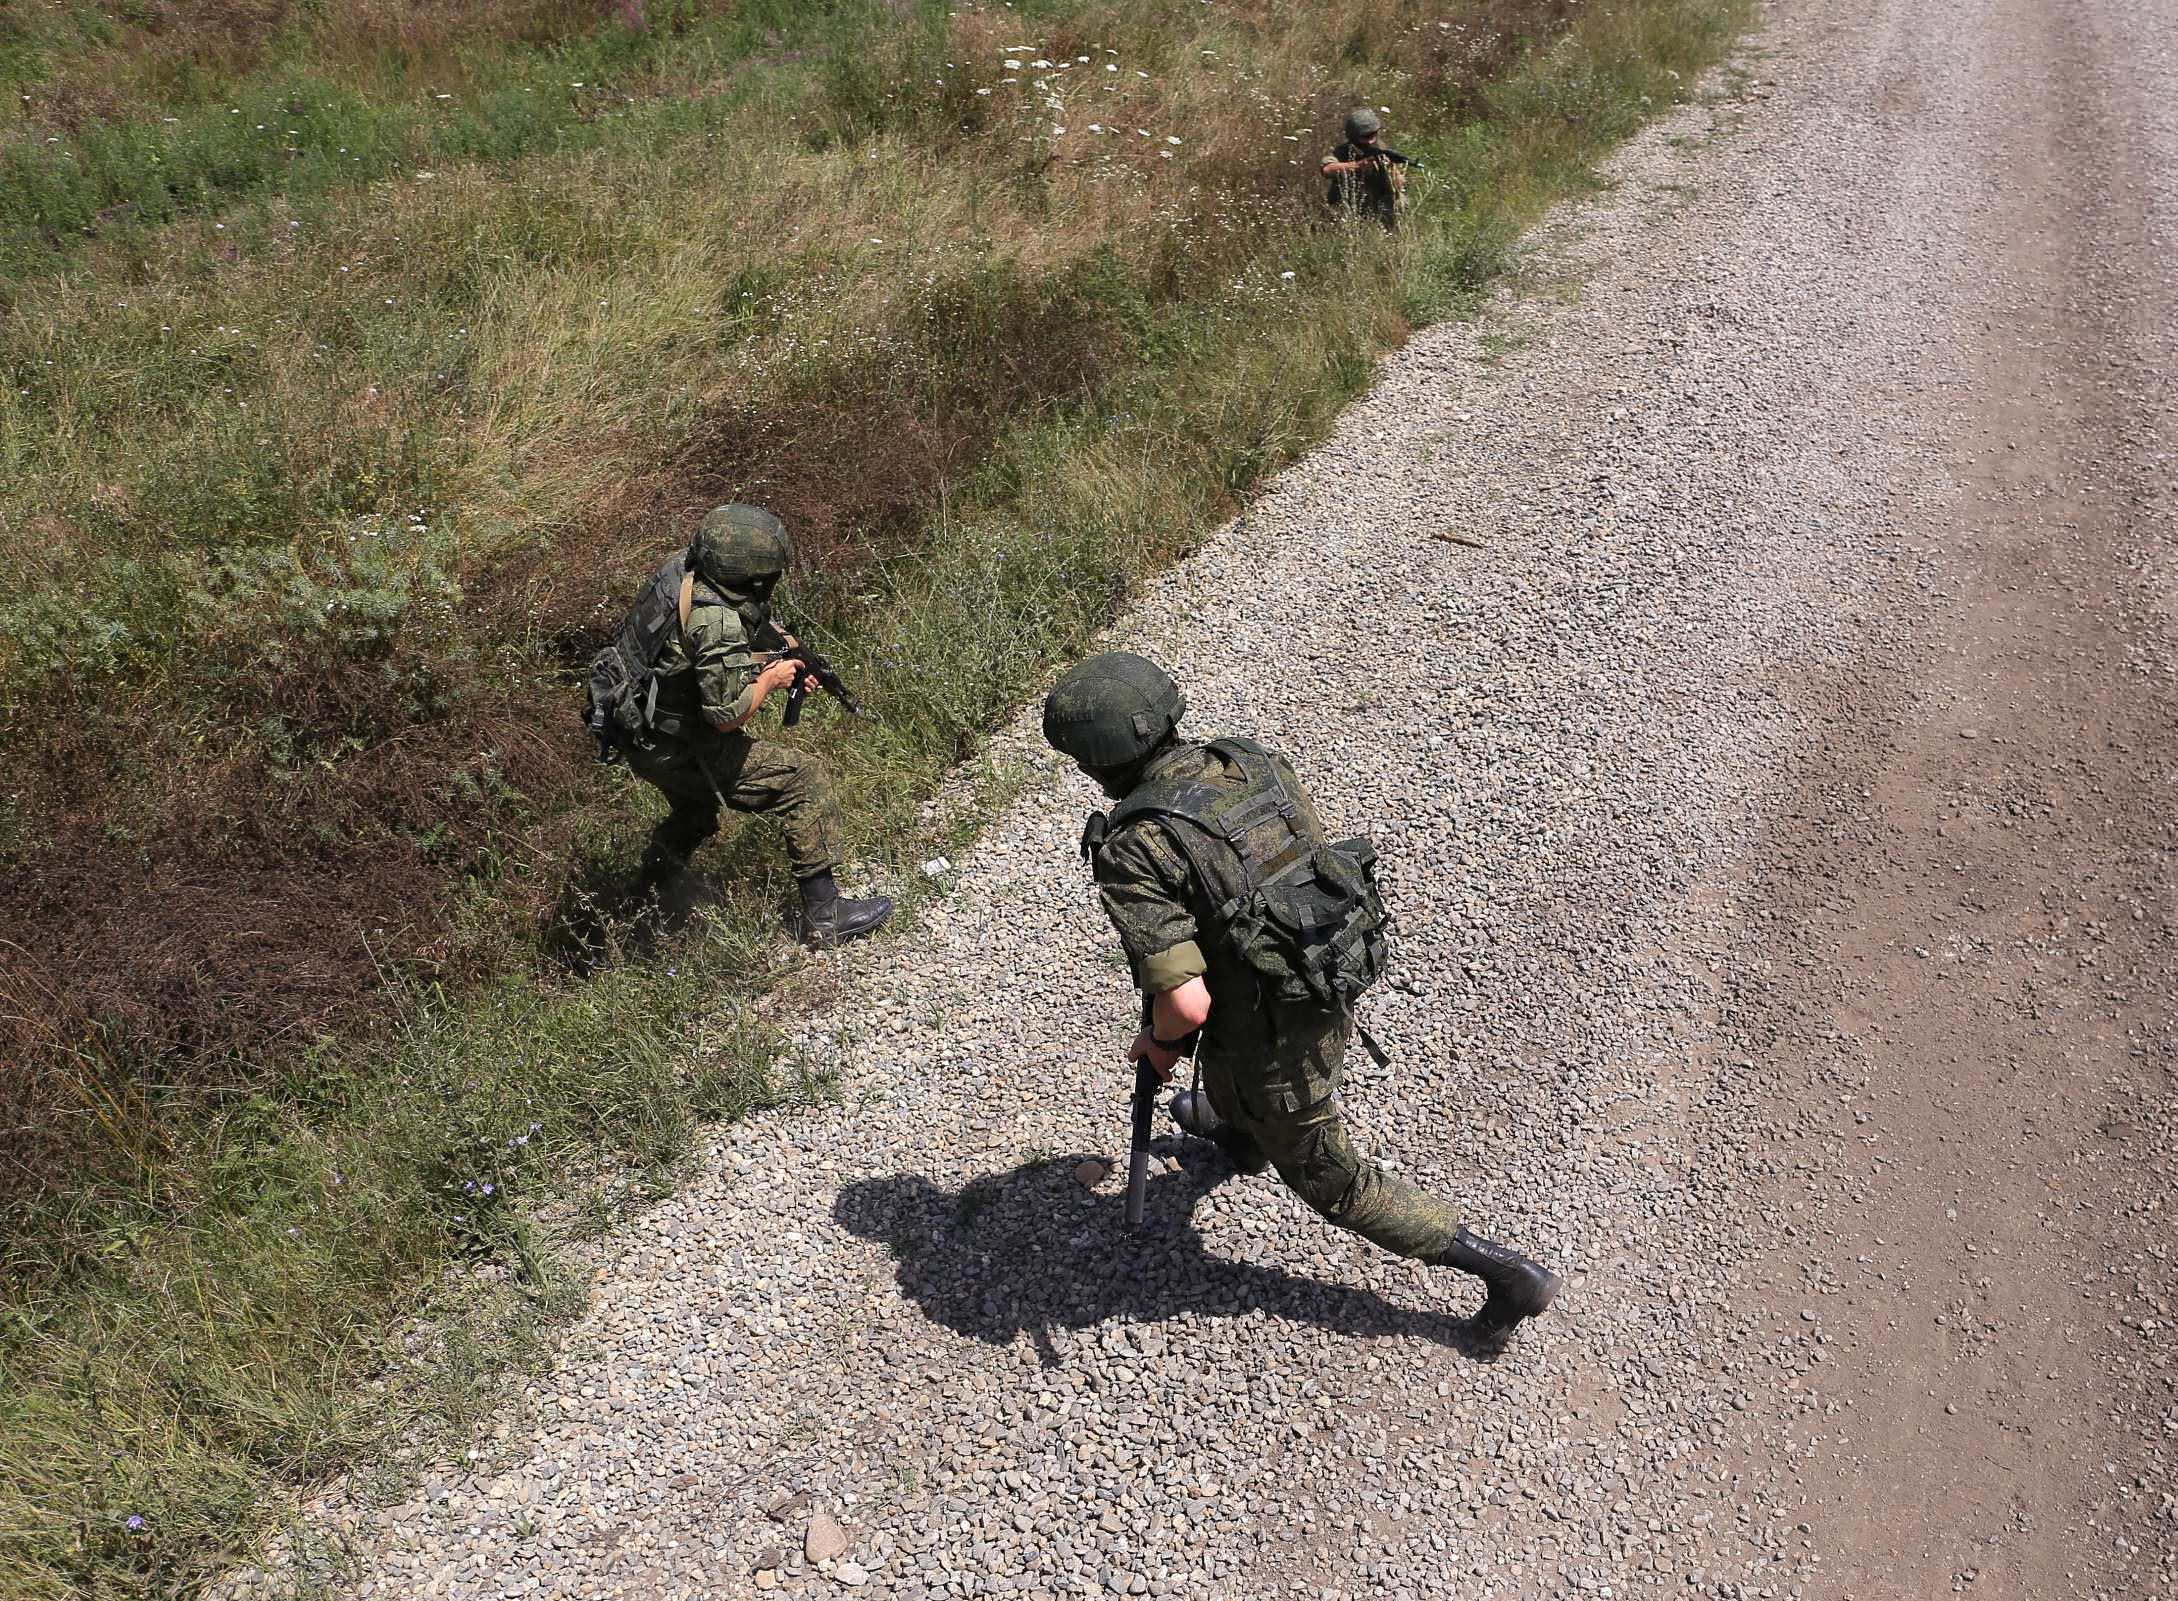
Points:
(1251, 936)
(1365, 176)
(675, 692)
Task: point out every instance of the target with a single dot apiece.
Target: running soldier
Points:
(1250, 936)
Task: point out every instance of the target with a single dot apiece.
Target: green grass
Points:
(302, 561)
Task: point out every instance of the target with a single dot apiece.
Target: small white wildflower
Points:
(1013, 65)
(1108, 67)
(1040, 62)
(1096, 127)
(1287, 276)
(1165, 154)
(983, 91)
(1056, 130)
(1172, 138)
(1140, 74)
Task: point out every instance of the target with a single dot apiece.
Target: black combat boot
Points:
(1519, 1289)
(1191, 1109)
(672, 886)
(660, 866)
(827, 920)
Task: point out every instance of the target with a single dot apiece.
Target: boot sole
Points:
(825, 942)
(1501, 1328)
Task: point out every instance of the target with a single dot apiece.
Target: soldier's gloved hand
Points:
(1146, 1048)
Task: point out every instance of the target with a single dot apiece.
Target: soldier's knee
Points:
(1320, 1168)
(803, 775)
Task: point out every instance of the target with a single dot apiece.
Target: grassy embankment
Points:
(329, 448)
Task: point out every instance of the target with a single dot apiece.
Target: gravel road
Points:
(1776, 804)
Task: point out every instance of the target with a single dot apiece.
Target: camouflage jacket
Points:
(709, 669)
(1159, 904)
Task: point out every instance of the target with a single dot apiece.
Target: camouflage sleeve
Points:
(725, 664)
(1143, 881)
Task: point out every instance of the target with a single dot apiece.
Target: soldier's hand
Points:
(1146, 1048)
(777, 676)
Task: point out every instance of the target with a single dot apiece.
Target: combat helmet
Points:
(1112, 710)
(1362, 123)
(740, 548)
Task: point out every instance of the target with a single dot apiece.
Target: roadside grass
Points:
(294, 102)
(349, 501)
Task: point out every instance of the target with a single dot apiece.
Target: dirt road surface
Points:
(1778, 804)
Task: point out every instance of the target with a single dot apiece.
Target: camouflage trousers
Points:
(1277, 1083)
(791, 787)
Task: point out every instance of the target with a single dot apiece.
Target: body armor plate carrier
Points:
(1306, 917)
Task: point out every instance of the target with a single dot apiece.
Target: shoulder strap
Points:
(688, 595)
(1224, 814)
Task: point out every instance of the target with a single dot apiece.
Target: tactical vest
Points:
(631, 704)
(1302, 914)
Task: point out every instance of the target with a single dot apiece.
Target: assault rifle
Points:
(821, 669)
(1384, 155)
(1146, 1086)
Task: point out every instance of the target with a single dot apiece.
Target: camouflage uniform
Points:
(1369, 192)
(1272, 1071)
(704, 678)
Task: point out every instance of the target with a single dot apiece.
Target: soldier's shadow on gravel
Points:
(1030, 1251)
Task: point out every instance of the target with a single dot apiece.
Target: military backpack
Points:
(624, 711)
(1306, 917)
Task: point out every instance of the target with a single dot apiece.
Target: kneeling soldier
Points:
(1366, 176)
(1241, 921)
(675, 691)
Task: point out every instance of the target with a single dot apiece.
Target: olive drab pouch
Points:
(1305, 914)
(1315, 932)
(623, 710)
